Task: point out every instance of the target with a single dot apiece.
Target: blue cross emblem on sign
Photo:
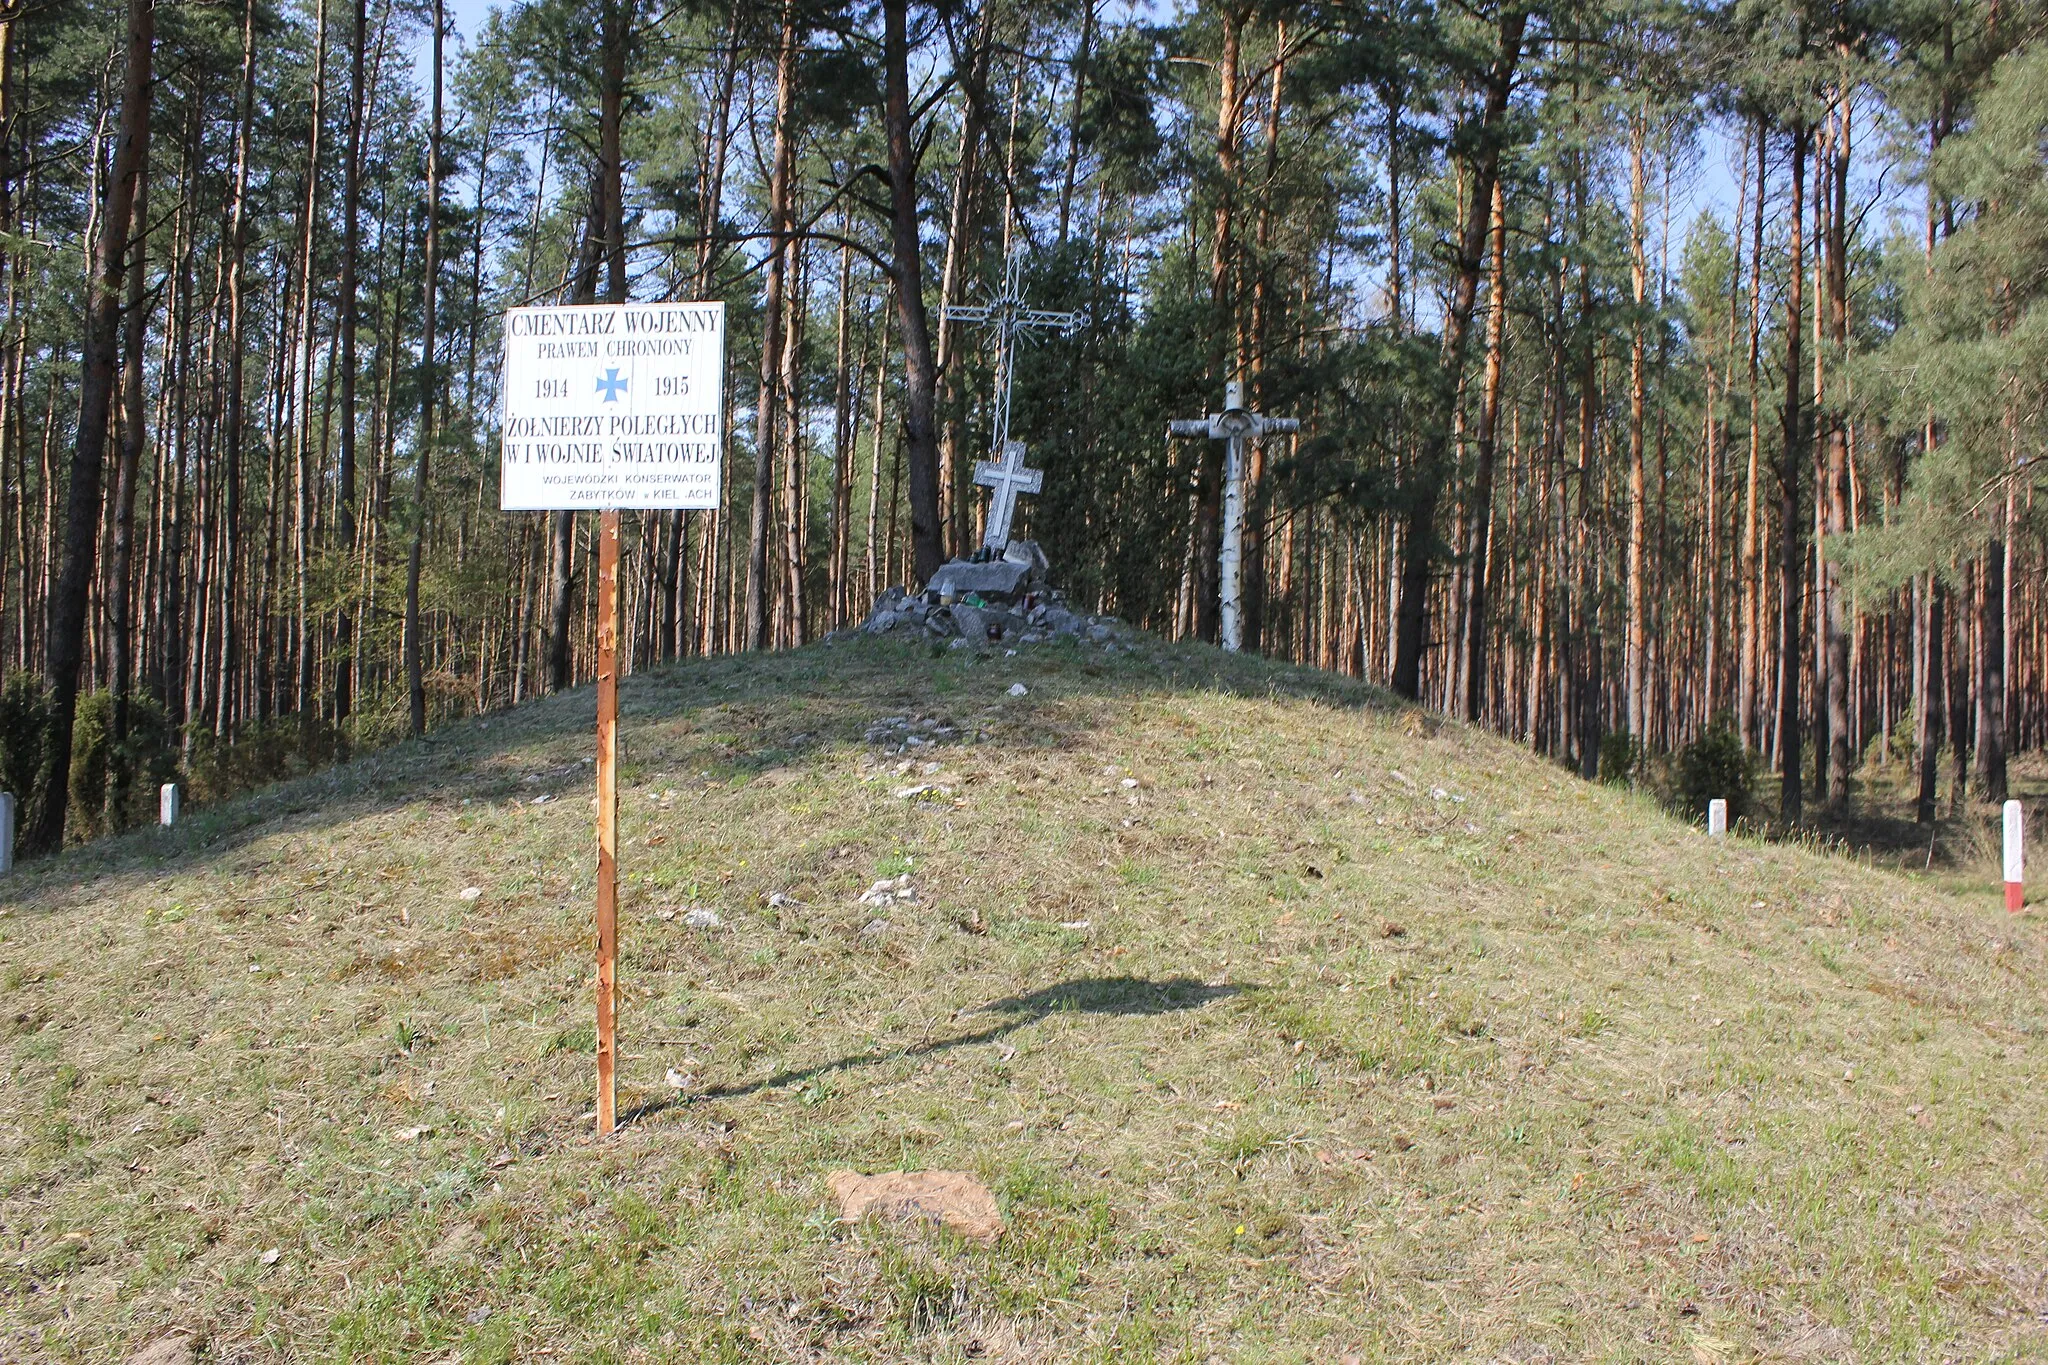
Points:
(611, 385)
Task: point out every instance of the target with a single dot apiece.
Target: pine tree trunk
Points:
(72, 591)
(1082, 51)
(1750, 665)
(1228, 357)
(795, 518)
(953, 505)
(561, 577)
(1927, 701)
(134, 435)
(1791, 526)
(304, 503)
(779, 254)
(1637, 638)
(430, 385)
(351, 251)
(1252, 597)
(845, 417)
(1991, 666)
(718, 141)
(235, 422)
(873, 566)
(1835, 178)
(1431, 467)
(919, 437)
(1479, 520)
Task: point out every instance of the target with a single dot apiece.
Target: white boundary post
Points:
(2015, 844)
(167, 804)
(1717, 818)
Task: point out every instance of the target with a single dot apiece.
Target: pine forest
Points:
(1662, 366)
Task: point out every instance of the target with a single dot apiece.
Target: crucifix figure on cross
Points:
(1239, 426)
(1007, 313)
(1007, 477)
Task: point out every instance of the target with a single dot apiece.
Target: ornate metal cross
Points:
(1008, 314)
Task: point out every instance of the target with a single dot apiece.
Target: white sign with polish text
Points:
(613, 405)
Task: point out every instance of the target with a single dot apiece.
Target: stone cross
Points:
(1007, 477)
(1239, 426)
(1007, 313)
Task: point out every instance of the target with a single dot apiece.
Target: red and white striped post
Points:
(2015, 838)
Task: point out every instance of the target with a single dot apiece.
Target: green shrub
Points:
(1717, 764)
(261, 754)
(92, 764)
(1621, 756)
(145, 762)
(113, 783)
(24, 734)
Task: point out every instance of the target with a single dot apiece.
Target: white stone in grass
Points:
(890, 891)
(469, 893)
(700, 917)
(1019, 690)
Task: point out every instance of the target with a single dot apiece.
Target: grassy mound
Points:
(1285, 1024)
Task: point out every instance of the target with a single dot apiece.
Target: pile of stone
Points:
(902, 734)
(991, 601)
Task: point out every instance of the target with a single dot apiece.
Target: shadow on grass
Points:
(1111, 995)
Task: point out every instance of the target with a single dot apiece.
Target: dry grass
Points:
(1340, 1032)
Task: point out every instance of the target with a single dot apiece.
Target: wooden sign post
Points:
(607, 820)
(610, 406)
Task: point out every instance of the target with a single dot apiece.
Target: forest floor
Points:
(1285, 1024)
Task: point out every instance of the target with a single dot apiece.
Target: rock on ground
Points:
(953, 1199)
(998, 619)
